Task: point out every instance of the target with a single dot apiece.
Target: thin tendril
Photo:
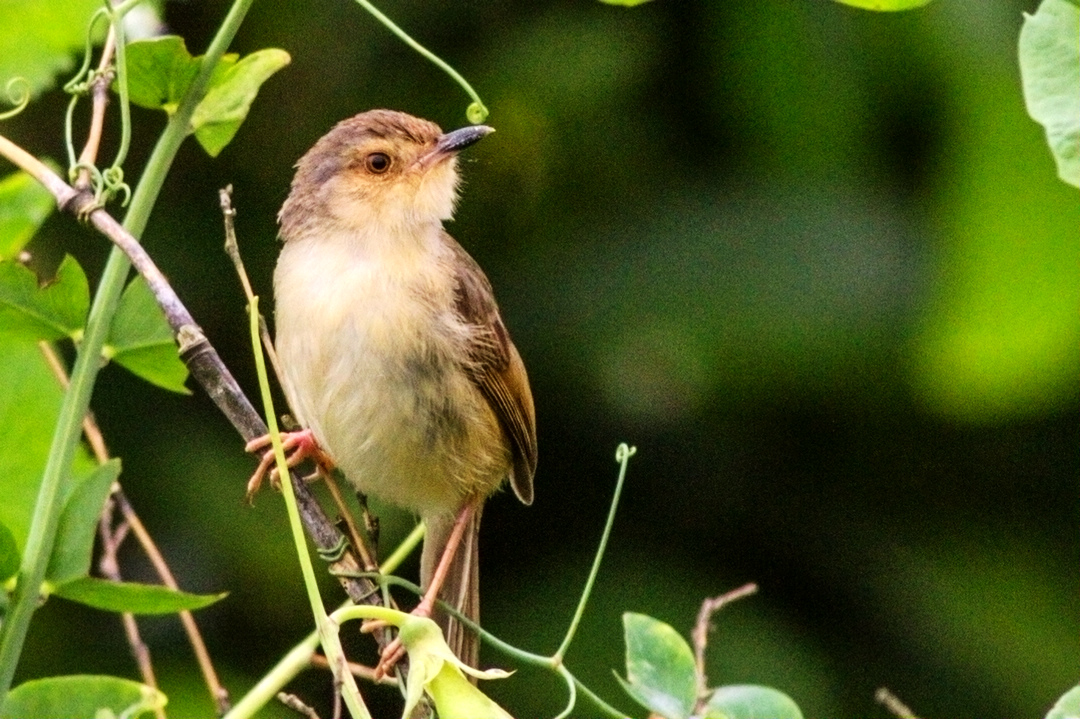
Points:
(18, 93)
(476, 112)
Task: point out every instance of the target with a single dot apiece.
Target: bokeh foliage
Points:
(814, 262)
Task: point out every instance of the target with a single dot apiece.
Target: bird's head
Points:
(379, 169)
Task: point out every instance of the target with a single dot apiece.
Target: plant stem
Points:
(328, 635)
(76, 402)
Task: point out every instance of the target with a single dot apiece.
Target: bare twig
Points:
(891, 702)
(700, 635)
(232, 249)
(294, 702)
(109, 566)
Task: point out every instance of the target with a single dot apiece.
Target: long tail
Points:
(461, 588)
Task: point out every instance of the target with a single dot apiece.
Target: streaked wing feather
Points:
(497, 369)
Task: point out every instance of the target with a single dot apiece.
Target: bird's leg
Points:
(394, 651)
(298, 447)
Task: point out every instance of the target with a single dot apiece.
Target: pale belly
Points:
(378, 380)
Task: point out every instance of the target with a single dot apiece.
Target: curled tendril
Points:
(624, 452)
(18, 94)
(476, 112)
(76, 84)
(114, 183)
(95, 175)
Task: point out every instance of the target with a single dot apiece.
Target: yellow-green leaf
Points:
(220, 114)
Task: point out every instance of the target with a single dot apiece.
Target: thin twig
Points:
(891, 702)
(700, 635)
(296, 704)
(219, 693)
(90, 428)
(109, 567)
(232, 249)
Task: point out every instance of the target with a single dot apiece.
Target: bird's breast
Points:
(373, 356)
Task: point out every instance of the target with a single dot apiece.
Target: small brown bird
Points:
(394, 353)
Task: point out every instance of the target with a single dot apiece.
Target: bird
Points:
(396, 361)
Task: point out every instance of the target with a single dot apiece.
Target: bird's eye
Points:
(377, 163)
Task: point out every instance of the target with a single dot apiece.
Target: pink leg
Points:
(394, 651)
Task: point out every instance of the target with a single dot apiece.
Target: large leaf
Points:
(141, 341)
(75, 534)
(749, 701)
(40, 37)
(1050, 71)
(226, 105)
(24, 205)
(659, 667)
(81, 697)
(132, 597)
(32, 312)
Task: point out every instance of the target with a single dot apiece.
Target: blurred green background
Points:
(813, 262)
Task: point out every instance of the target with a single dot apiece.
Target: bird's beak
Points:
(453, 142)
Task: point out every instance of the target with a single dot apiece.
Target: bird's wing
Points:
(496, 368)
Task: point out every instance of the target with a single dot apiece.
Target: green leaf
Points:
(24, 205)
(1067, 707)
(9, 553)
(220, 114)
(885, 5)
(749, 701)
(81, 697)
(1050, 72)
(56, 310)
(141, 341)
(75, 534)
(659, 667)
(132, 597)
(624, 3)
(39, 38)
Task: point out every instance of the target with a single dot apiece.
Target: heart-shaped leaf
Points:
(749, 701)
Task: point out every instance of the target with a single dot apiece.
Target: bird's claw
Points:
(298, 446)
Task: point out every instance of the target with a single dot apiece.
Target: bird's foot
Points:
(298, 447)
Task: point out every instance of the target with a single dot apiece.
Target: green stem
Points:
(327, 630)
(76, 402)
(622, 456)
